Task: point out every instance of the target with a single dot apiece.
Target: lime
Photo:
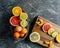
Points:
(34, 37)
(16, 11)
(23, 23)
(50, 31)
(23, 16)
(54, 34)
(58, 38)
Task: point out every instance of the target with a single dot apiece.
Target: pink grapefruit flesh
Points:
(46, 27)
(14, 21)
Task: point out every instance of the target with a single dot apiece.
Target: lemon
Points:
(23, 16)
(50, 31)
(58, 38)
(16, 11)
(23, 23)
(34, 37)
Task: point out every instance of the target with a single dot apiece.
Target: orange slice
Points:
(16, 11)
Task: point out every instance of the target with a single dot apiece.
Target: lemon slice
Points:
(54, 34)
(34, 37)
(23, 16)
(16, 11)
(50, 31)
(23, 23)
(58, 38)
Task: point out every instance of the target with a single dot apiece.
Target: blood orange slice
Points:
(14, 21)
(46, 27)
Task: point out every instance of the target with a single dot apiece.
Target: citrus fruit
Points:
(14, 21)
(50, 31)
(23, 23)
(16, 11)
(24, 30)
(22, 34)
(46, 27)
(54, 34)
(58, 38)
(16, 35)
(34, 37)
(18, 28)
(23, 16)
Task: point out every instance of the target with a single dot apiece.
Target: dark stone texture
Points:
(49, 9)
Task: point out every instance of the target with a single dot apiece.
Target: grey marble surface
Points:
(49, 9)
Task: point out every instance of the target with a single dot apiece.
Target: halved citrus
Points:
(58, 38)
(50, 31)
(16, 11)
(14, 21)
(54, 34)
(18, 28)
(34, 37)
(46, 27)
(23, 23)
(23, 16)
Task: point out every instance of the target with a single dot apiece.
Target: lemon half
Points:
(34, 37)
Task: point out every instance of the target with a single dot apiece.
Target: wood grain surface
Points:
(45, 36)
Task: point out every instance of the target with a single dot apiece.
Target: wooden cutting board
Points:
(45, 36)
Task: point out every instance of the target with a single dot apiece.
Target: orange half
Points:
(16, 11)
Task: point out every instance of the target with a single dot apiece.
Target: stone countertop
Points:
(49, 9)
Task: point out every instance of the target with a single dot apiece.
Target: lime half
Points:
(23, 23)
(23, 16)
(34, 37)
(54, 34)
(50, 31)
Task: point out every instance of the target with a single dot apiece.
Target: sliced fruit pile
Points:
(19, 22)
(47, 28)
